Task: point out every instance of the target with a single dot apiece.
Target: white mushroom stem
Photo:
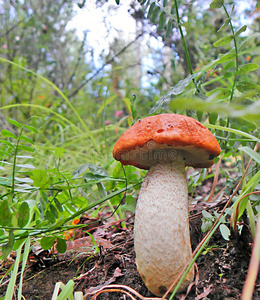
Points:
(161, 231)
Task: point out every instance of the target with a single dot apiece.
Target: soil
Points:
(221, 268)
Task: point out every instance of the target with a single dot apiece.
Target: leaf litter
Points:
(110, 270)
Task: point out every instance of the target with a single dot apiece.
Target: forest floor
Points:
(221, 268)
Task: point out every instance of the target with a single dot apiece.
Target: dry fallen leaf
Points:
(206, 292)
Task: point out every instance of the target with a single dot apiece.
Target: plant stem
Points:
(183, 39)
(56, 228)
(186, 51)
(249, 285)
(63, 96)
(14, 164)
(236, 51)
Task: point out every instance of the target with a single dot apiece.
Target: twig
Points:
(215, 180)
(103, 66)
(120, 288)
(249, 284)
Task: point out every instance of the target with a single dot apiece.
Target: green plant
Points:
(41, 201)
(209, 219)
(66, 292)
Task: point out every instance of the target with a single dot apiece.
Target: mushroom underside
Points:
(147, 155)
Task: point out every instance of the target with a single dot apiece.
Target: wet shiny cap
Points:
(158, 138)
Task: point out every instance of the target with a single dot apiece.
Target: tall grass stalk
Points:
(84, 125)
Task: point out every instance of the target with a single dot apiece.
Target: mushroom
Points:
(164, 144)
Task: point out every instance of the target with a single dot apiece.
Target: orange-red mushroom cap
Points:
(157, 138)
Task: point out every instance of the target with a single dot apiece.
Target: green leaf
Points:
(223, 108)
(109, 100)
(175, 90)
(5, 214)
(164, 3)
(173, 10)
(229, 65)
(90, 176)
(15, 123)
(26, 139)
(223, 41)
(8, 133)
(26, 148)
(79, 171)
(162, 20)
(244, 86)
(61, 245)
(216, 4)
(81, 5)
(225, 232)
(117, 2)
(40, 179)
(19, 242)
(206, 225)
(7, 144)
(7, 248)
(58, 205)
(213, 117)
(247, 68)
(150, 11)
(225, 24)
(207, 215)
(6, 153)
(169, 28)
(47, 242)
(219, 93)
(98, 170)
(54, 211)
(49, 216)
(240, 30)
(232, 8)
(23, 214)
(199, 114)
(225, 58)
(155, 15)
(251, 153)
(58, 152)
(228, 74)
(133, 107)
(31, 128)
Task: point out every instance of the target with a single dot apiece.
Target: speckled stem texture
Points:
(161, 232)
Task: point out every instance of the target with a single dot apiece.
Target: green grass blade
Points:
(251, 153)
(50, 111)
(11, 285)
(239, 132)
(67, 291)
(249, 284)
(25, 256)
(59, 92)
